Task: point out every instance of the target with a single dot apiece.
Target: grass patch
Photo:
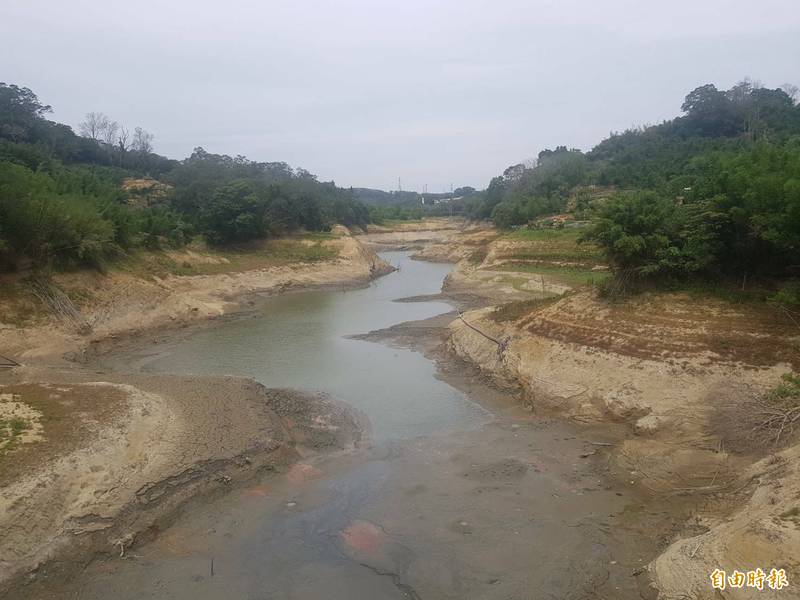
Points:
(10, 431)
(67, 417)
(754, 293)
(513, 311)
(17, 426)
(572, 276)
(554, 245)
(538, 235)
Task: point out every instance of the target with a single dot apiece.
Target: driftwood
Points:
(8, 363)
(501, 344)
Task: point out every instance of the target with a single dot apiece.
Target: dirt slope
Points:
(119, 303)
(678, 369)
(670, 367)
(132, 449)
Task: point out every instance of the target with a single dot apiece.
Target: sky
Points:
(366, 92)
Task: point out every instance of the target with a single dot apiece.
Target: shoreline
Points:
(508, 417)
(687, 539)
(132, 306)
(102, 509)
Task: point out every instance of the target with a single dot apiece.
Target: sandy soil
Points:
(660, 370)
(411, 235)
(670, 367)
(90, 464)
(132, 449)
(523, 503)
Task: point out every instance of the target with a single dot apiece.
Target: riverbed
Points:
(450, 500)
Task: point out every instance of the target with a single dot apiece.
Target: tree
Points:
(235, 214)
(20, 109)
(123, 143)
(505, 215)
(110, 133)
(95, 126)
(710, 111)
(792, 91)
(142, 141)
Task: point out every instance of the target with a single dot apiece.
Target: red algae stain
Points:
(256, 492)
(363, 536)
(302, 472)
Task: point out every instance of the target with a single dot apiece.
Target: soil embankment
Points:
(411, 235)
(670, 374)
(679, 370)
(122, 303)
(92, 462)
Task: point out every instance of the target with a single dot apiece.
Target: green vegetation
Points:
(555, 245)
(711, 195)
(387, 207)
(63, 204)
(10, 430)
(787, 393)
(778, 412)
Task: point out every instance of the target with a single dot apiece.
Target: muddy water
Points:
(450, 502)
(300, 341)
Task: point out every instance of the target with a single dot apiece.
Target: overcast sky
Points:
(365, 91)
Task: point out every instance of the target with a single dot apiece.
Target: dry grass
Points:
(569, 275)
(513, 311)
(671, 327)
(751, 421)
(270, 253)
(18, 306)
(69, 414)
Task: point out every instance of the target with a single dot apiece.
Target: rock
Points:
(649, 424)
(625, 403)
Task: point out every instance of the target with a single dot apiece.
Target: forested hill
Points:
(712, 193)
(69, 200)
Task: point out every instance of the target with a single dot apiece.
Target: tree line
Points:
(713, 193)
(62, 202)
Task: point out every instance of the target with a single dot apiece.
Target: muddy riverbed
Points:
(462, 494)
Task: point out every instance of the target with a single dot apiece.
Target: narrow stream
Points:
(451, 502)
(300, 341)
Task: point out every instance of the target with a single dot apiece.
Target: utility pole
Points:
(399, 185)
(451, 200)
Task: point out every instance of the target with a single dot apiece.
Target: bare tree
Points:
(95, 126)
(142, 141)
(123, 143)
(110, 133)
(792, 91)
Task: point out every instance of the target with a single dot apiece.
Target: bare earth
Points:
(94, 464)
(657, 377)
(675, 369)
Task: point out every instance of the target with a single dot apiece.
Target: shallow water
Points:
(450, 503)
(300, 341)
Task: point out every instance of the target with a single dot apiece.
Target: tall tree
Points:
(142, 141)
(19, 110)
(95, 126)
